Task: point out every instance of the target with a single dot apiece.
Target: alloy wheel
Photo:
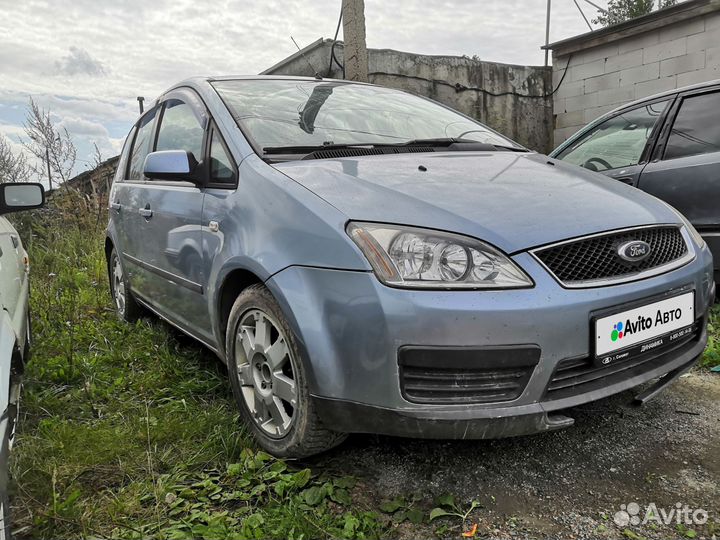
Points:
(119, 286)
(266, 371)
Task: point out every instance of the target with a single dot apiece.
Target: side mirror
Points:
(21, 196)
(171, 165)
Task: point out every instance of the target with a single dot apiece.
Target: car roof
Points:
(202, 83)
(214, 78)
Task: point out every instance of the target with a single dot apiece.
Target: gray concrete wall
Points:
(495, 94)
(611, 74)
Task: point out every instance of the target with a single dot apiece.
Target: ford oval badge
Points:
(634, 251)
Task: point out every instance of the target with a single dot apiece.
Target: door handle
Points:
(146, 212)
(626, 180)
(116, 206)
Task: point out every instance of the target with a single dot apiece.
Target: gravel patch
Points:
(567, 483)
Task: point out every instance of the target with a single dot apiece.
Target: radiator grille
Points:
(596, 258)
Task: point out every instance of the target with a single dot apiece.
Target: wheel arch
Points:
(232, 285)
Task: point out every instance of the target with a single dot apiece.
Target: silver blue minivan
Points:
(367, 260)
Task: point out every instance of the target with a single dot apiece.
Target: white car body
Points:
(14, 327)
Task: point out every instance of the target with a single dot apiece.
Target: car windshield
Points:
(279, 114)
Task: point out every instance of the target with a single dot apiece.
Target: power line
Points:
(583, 15)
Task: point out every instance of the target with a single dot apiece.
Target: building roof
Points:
(652, 21)
(78, 180)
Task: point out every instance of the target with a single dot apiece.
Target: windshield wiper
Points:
(462, 144)
(309, 149)
(440, 141)
(510, 148)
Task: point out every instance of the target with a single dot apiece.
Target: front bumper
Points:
(350, 329)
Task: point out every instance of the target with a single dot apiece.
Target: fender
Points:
(8, 345)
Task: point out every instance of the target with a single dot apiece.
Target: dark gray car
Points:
(366, 260)
(668, 145)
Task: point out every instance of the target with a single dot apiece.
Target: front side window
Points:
(141, 146)
(618, 141)
(697, 127)
(221, 169)
(180, 129)
(292, 113)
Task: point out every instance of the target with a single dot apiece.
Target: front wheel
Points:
(268, 379)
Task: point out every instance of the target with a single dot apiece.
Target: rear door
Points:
(126, 195)
(619, 146)
(170, 248)
(685, 170)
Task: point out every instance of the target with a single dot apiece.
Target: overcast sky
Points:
(87, 60)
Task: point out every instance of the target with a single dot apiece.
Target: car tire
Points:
(125, 305)
(5, 530)
(269, 379)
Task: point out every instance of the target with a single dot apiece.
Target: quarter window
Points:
(618, 141)
(221, 169)
(697, 127)
(141, 146)
(180, 129)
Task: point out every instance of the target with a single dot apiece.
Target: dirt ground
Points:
(567, 483)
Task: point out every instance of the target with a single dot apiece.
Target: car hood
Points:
(513, 200)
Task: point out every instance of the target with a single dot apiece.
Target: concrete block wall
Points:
(606, 76)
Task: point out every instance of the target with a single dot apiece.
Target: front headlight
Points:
(422, 258)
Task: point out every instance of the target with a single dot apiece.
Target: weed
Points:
(711, 358)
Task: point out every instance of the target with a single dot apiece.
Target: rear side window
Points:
(124, 156)
(141, 146)
(180, 129)
(618, 141)
(697, 127)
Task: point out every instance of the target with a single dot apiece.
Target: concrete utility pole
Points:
(547, 30)
(356, 55)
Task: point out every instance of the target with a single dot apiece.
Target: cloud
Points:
(79, 62)
(80, 127)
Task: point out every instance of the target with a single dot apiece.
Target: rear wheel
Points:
(269, 380)
(125, 305)
(4, 516)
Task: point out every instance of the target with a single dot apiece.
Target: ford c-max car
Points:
(667, 145)
(366, 260)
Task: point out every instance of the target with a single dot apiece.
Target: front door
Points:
(620, 145)
(170, 248)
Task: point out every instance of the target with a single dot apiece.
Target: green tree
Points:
(623, 10)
